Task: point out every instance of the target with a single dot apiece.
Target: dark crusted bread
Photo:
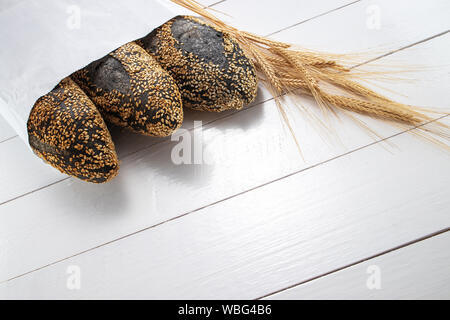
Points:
(67, 131)
(131, 90)
(209, 66)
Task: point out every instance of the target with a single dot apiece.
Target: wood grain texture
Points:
(262, 241)
(21, 170)
(266, 16)
(419, 271)
(6, 132)
(129, 143)
(137, 199)
(371, 27)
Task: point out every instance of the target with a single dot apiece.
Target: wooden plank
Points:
(244, 152)
(129, 143)
(267, 16)
(372, 27)
(22, 172)
(261, 241)
(6, 132)
(418, 271)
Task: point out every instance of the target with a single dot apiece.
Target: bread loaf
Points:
(67, 131)
(131, 90)
(209, 66)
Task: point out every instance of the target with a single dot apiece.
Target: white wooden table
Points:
(357, 218)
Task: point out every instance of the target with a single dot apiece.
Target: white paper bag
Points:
(43, 41)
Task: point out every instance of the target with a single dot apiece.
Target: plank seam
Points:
(10, 138)
(399, 247)
(402, 48)
(275, 32)
(217, 202)
(312, 18)
(236, 112)
(214, 4)
(191, 129)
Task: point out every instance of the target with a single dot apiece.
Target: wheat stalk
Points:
(284, 69)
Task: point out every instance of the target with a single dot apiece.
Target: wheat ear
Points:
(286, 70)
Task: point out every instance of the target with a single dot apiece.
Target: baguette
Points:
(66, 130)
(209, 66)
(131, 90)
